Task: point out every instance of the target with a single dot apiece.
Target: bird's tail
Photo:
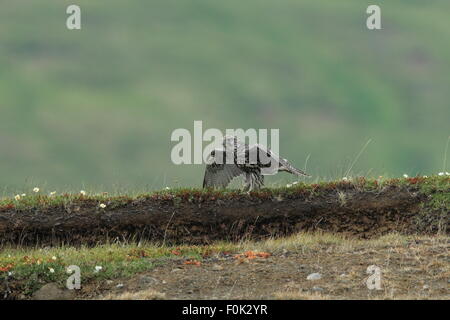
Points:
(286, 166)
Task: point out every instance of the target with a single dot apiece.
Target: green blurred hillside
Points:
(95, 108)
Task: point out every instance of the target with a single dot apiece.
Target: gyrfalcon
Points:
(236, 158)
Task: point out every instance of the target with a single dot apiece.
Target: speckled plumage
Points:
(237, 158)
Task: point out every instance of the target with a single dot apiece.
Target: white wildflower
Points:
(167, 188)
(23, 194)
(447, 173)
(289, 185)
(405, 176)
(441, 174)
(102, 205)
(52, 193)
(36, 190)
(10, 273)
(54, 258)
(17, 197)
(295, 182)
(83, 193)
(51, 270)
(345, 178)
(425, 176)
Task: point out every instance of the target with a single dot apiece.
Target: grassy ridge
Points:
(360, 207)
(437, 187)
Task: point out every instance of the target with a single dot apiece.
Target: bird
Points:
(235, 158)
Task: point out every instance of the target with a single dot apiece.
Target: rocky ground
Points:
(413, 268)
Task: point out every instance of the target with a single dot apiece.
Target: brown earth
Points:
(418, 269)
(201, 218)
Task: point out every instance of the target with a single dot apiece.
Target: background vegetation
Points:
(94, 109)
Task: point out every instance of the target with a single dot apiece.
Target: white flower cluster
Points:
(291, 184)
(98, 269)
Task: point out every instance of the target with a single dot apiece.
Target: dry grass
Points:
(148, 294)
(339, 242)
(291, 295)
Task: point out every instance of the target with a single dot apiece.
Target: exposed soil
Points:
(199, 218)
(417, 270)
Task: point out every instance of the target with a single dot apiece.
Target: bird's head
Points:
(229, 142)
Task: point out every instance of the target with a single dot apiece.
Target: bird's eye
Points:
(213, 153)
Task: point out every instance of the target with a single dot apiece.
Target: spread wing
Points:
(265, 157)
(220, 175)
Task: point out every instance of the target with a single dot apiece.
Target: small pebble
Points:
(314, 276)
